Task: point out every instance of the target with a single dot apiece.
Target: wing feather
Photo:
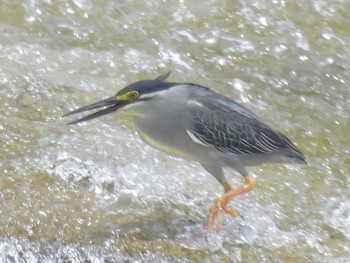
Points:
(230, 128)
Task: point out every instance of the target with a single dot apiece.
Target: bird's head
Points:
(137, 92)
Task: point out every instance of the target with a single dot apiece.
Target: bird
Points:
(198, 124)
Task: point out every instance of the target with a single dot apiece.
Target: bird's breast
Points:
(164, 125)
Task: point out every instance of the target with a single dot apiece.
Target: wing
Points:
(221, 123)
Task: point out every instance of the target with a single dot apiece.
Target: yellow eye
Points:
(133, 95)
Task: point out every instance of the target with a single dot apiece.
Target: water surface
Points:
(97, 193)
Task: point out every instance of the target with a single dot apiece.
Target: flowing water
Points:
(96, 193)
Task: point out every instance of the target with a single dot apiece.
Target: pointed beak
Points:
(110, 105)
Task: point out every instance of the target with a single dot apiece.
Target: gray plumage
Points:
(231, 128)
(195, 123)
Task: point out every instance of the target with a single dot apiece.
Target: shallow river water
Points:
(96, 193)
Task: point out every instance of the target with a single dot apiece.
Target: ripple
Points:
(96, 192)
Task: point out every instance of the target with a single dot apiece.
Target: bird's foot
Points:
(214, 220)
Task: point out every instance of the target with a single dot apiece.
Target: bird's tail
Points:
(297, 157)
(293, 152)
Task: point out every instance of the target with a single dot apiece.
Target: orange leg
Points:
(220, 204)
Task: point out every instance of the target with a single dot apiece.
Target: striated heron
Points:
(195, 123)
